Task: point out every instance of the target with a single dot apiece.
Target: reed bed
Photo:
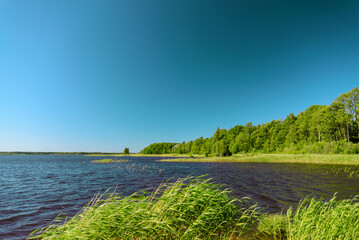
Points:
(195, 208)
(319, 219)
(137, 167)
(144, 155)
(278, 158)
(190, 208)
(350, 172)
(109, 160)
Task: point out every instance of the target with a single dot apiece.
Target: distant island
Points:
(322, 129)
(55, 153)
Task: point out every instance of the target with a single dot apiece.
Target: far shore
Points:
(348, 159)
(56, 153)
(277, 158)
(146, 155)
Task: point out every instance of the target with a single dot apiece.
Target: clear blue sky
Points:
(103, 75)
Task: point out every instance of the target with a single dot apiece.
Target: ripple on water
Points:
(35, 189)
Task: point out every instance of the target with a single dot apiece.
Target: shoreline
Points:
(196, 208)
(278, 158)
(54, 153)
(345, 159)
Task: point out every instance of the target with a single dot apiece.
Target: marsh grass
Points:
(146, 155)
(348, 171)
(195, 208)
(109, 160)
(190, 208)
(313, 219)
(278, 158)
(319, 219)
(272, 226)
(136, 167)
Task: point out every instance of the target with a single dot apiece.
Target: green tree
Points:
(345, 109)
(352, 107)
(242, 142)
(126, 151)
(309, 131)
(159, 148)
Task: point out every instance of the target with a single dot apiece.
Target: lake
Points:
(34, 189)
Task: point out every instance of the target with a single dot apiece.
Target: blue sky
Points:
(104, 75)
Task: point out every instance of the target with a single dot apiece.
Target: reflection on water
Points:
(35, 189)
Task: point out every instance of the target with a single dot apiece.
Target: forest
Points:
(323, 129)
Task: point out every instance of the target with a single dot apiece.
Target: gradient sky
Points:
(104, 75)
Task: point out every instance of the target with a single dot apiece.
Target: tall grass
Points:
(272, 226)
(318, 219)
(313, 219)
(195, 208)
(136, 167)
(190, 208)
(109, 160)
(348, 171)
(278, 158)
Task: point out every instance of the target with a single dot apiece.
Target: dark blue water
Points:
(34, 189)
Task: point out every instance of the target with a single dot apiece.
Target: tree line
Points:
(330, 128)
(159, 148)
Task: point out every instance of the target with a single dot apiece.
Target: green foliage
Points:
(55, 153)
(318, 219)
(342, 159)
(272, 226)
(313, 219)
(194, 208)
(190, 208)
(126, 151)
(319, 129)
(161, 148)
(109, 160)
(350, 172)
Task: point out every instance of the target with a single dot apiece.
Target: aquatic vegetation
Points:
(313, 219)
(195, 208)
(319, 219)
(109, 160)
(349, 171)
(190, 208)
(272, 226)
(278, 158)
(123, 160)
(137, 167)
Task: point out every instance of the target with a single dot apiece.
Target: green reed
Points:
(137, 167)
(109, 160)
(277, 158)
(318, 219)
(349, 171)
(271, 226)
(190, 208)
(195, 208)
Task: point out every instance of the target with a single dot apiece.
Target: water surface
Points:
(34, 189)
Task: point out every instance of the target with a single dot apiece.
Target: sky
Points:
(84, 75)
